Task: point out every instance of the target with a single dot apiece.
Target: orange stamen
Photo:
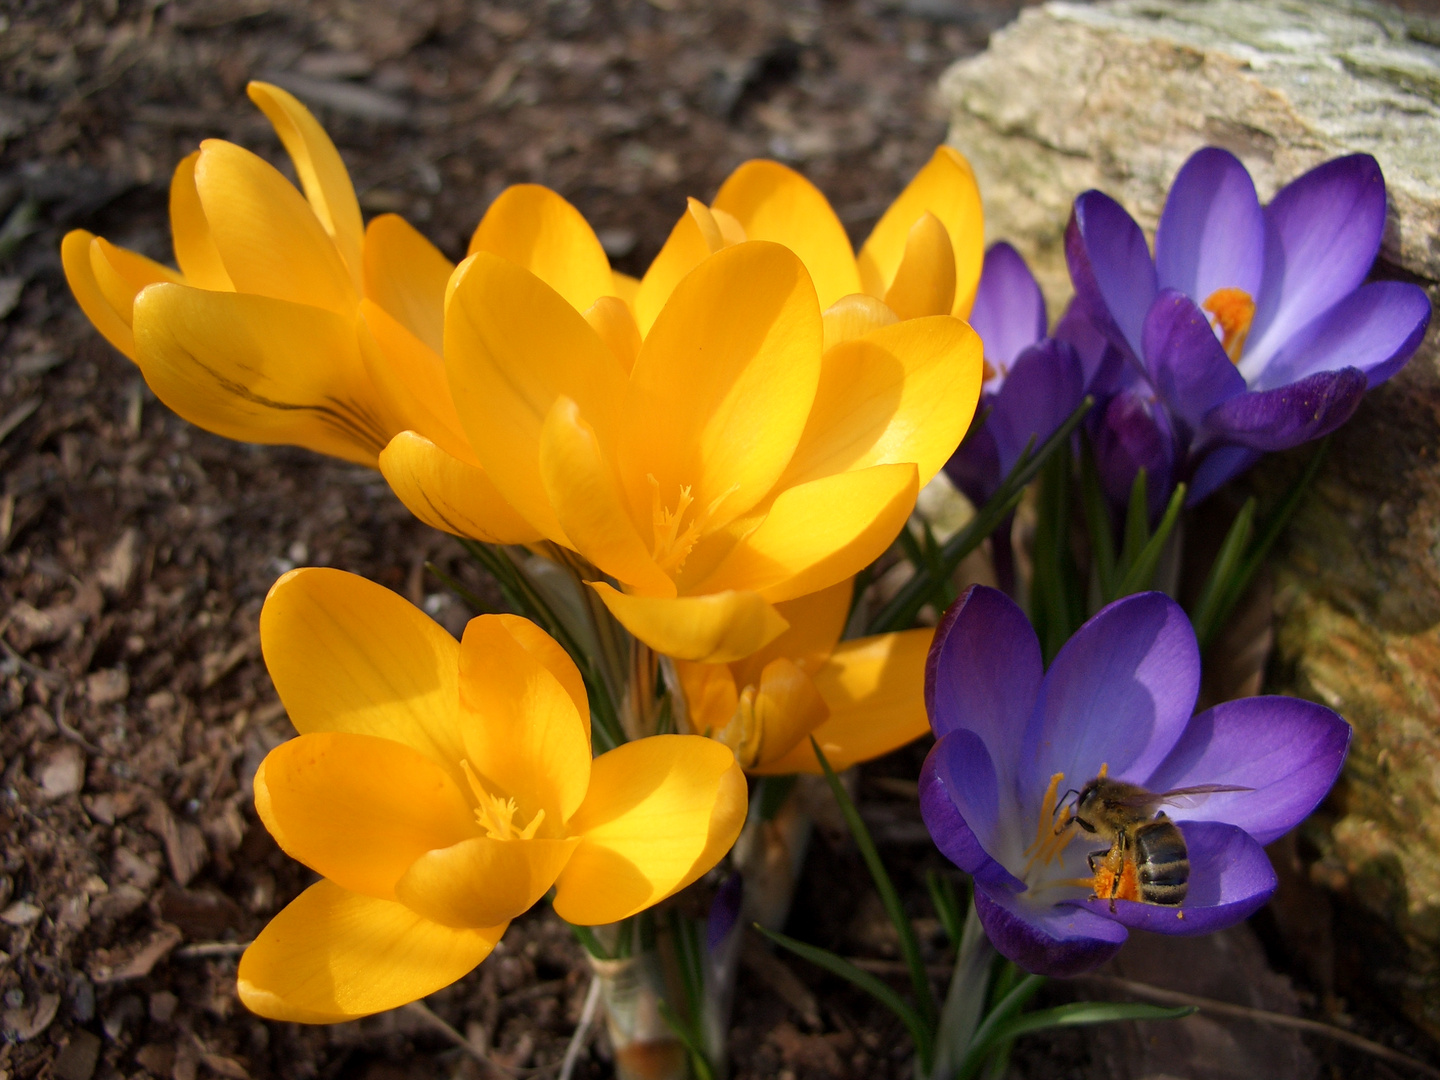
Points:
(1233, 311)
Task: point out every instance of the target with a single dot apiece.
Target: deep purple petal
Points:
(1043, 388)
(1218, 466)
(1110, 268)
(960, 802)
(1094, 348)
(1288, 751)
(1058, 941)
(1376, 329)
(1272, 420)
(1212, 231)
(975, 465)
(724, 911)
(1322, 234)
(1009, 310)
(1134, 433)
(1118, 694)
(1230, 879)
(1186, 362)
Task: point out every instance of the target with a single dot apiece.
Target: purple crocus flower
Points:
(1252, 329)
(1116, 702)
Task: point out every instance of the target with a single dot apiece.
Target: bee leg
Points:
(1090, 859)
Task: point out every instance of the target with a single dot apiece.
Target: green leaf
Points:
(698, 1061)
(1137, 522)
(965, 999)
(1222, 572)
(1075, 1014)
(477, 605)
(589, 942)
(1141, 575)
(947, 904)
(1097, 521)
(1056, 599)
(990, 1034)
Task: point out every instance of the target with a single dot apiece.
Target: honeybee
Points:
(1147, 859)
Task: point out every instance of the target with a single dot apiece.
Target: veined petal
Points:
(406, 275)
(1009, 311)
(260, 370)
(819, 533)
(854, 316)
(335, 955)
(481, 881)
(946, 188)
(960, 804)
(349, 655)
(79, 263)
(1212, 232)
(409, 377)
(611, 318)
(772, 202)
(1111, 269)
(269, 238)
(693, 239)
(1055, 940)
(195, 250)
(449, 494)
(535, 228)
(660, 812)
(121, 274)
(924, 282)
(816, 621)
(322, 174)
(714, 629)
(359, 809)
(547, 651)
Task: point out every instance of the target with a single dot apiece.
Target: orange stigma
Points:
(1233, 310)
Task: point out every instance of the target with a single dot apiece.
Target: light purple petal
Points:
(1110, 268)
(1322, 234)
(1133, 434)
(1058, 940)
(1186, 362)
(960, 803)
(1288, 751)
(1212, 231)
(1376, 329)
(1043, 388)
(1009, 310)
(1093, 346)
(1230, 879)
(975, 465)
(1218, 466)
(1279, 419)
(1118, 694)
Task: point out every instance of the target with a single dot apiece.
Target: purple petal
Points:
(1085, 337)
(1009, 311)
(1059, 940)
(960, 803)
(1287, 750)
(1133, 434)
(1376, 329)
(1218, 466)
(1230, 879)
(975, 465)
(1186, 362)
(1043, 388)
(724, 911)
(1279, 419)
(1110, 268)
(1118, 694)
(1212, 231)
(1322, 234)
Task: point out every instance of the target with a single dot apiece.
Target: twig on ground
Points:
(581, 1038)
(208, 949)
(422, 1011)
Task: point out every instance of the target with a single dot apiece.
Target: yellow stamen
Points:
(672, 545)
(1233, 311)
(496, 815)
(1054, 830)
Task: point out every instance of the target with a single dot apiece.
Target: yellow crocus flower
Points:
(441, 788)
(859, 699)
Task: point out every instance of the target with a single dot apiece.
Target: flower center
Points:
(672, 543)
(1232, 311)
(1054, 830)
(496, 815)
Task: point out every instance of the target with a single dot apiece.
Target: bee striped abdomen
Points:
(1162, 861)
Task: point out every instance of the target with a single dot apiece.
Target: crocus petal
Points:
(714, 629)
(1212, 232)
(1288, 752)
(906, 392)
(1009, 311)
(772, 202)
(660, 812)
(960, 802)
(692, 240)
(449, 494)
(819, 533)
(534, 227)
(409, 377)
(349, 655)
(553, 658)
(711, 695)
(523, 735)
(611, 318)
(924, 282)
(1230, 879)
(1134, 433)
(121, 274)
(1118, 694)
(946, 188)
(321, 171)
(816, 621)
(854, 316)
(75, 256)
(260, 370)
(1043, 388)
(787, 708)
(1097, 356)
(360, 809)
(1278, 419)
(1186, 361)
(406, 275)
(482, 882)
(1323, 231)
(1058, 941)
(195, 250)
(1110, 268)
(335, 955)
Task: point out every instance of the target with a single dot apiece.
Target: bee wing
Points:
(1189, 796)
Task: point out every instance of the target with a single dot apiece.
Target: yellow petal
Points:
(906, 392)
(449, 494)
(722, 386)
(523, 735)
(875, 689)
(121, 274)
(816, 621)
(195, 250)
(660, 812)
(625, 287)
(359, 809)
(694, 238)
(409, 377)
(334, 955)
(772, 715)
(322, 173)
(772, 202)
(945, 187)
(75, 256)
(710, 694)
(819, 533)
(610, 317)
(535, 228)
(925, 281)
(855, 316)
(545, 649)
(349, 655)
(715, 629)
(260, 370)
(406, 275)
(512, 346)
(268, 237)
(482, 881)
(581, 488)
